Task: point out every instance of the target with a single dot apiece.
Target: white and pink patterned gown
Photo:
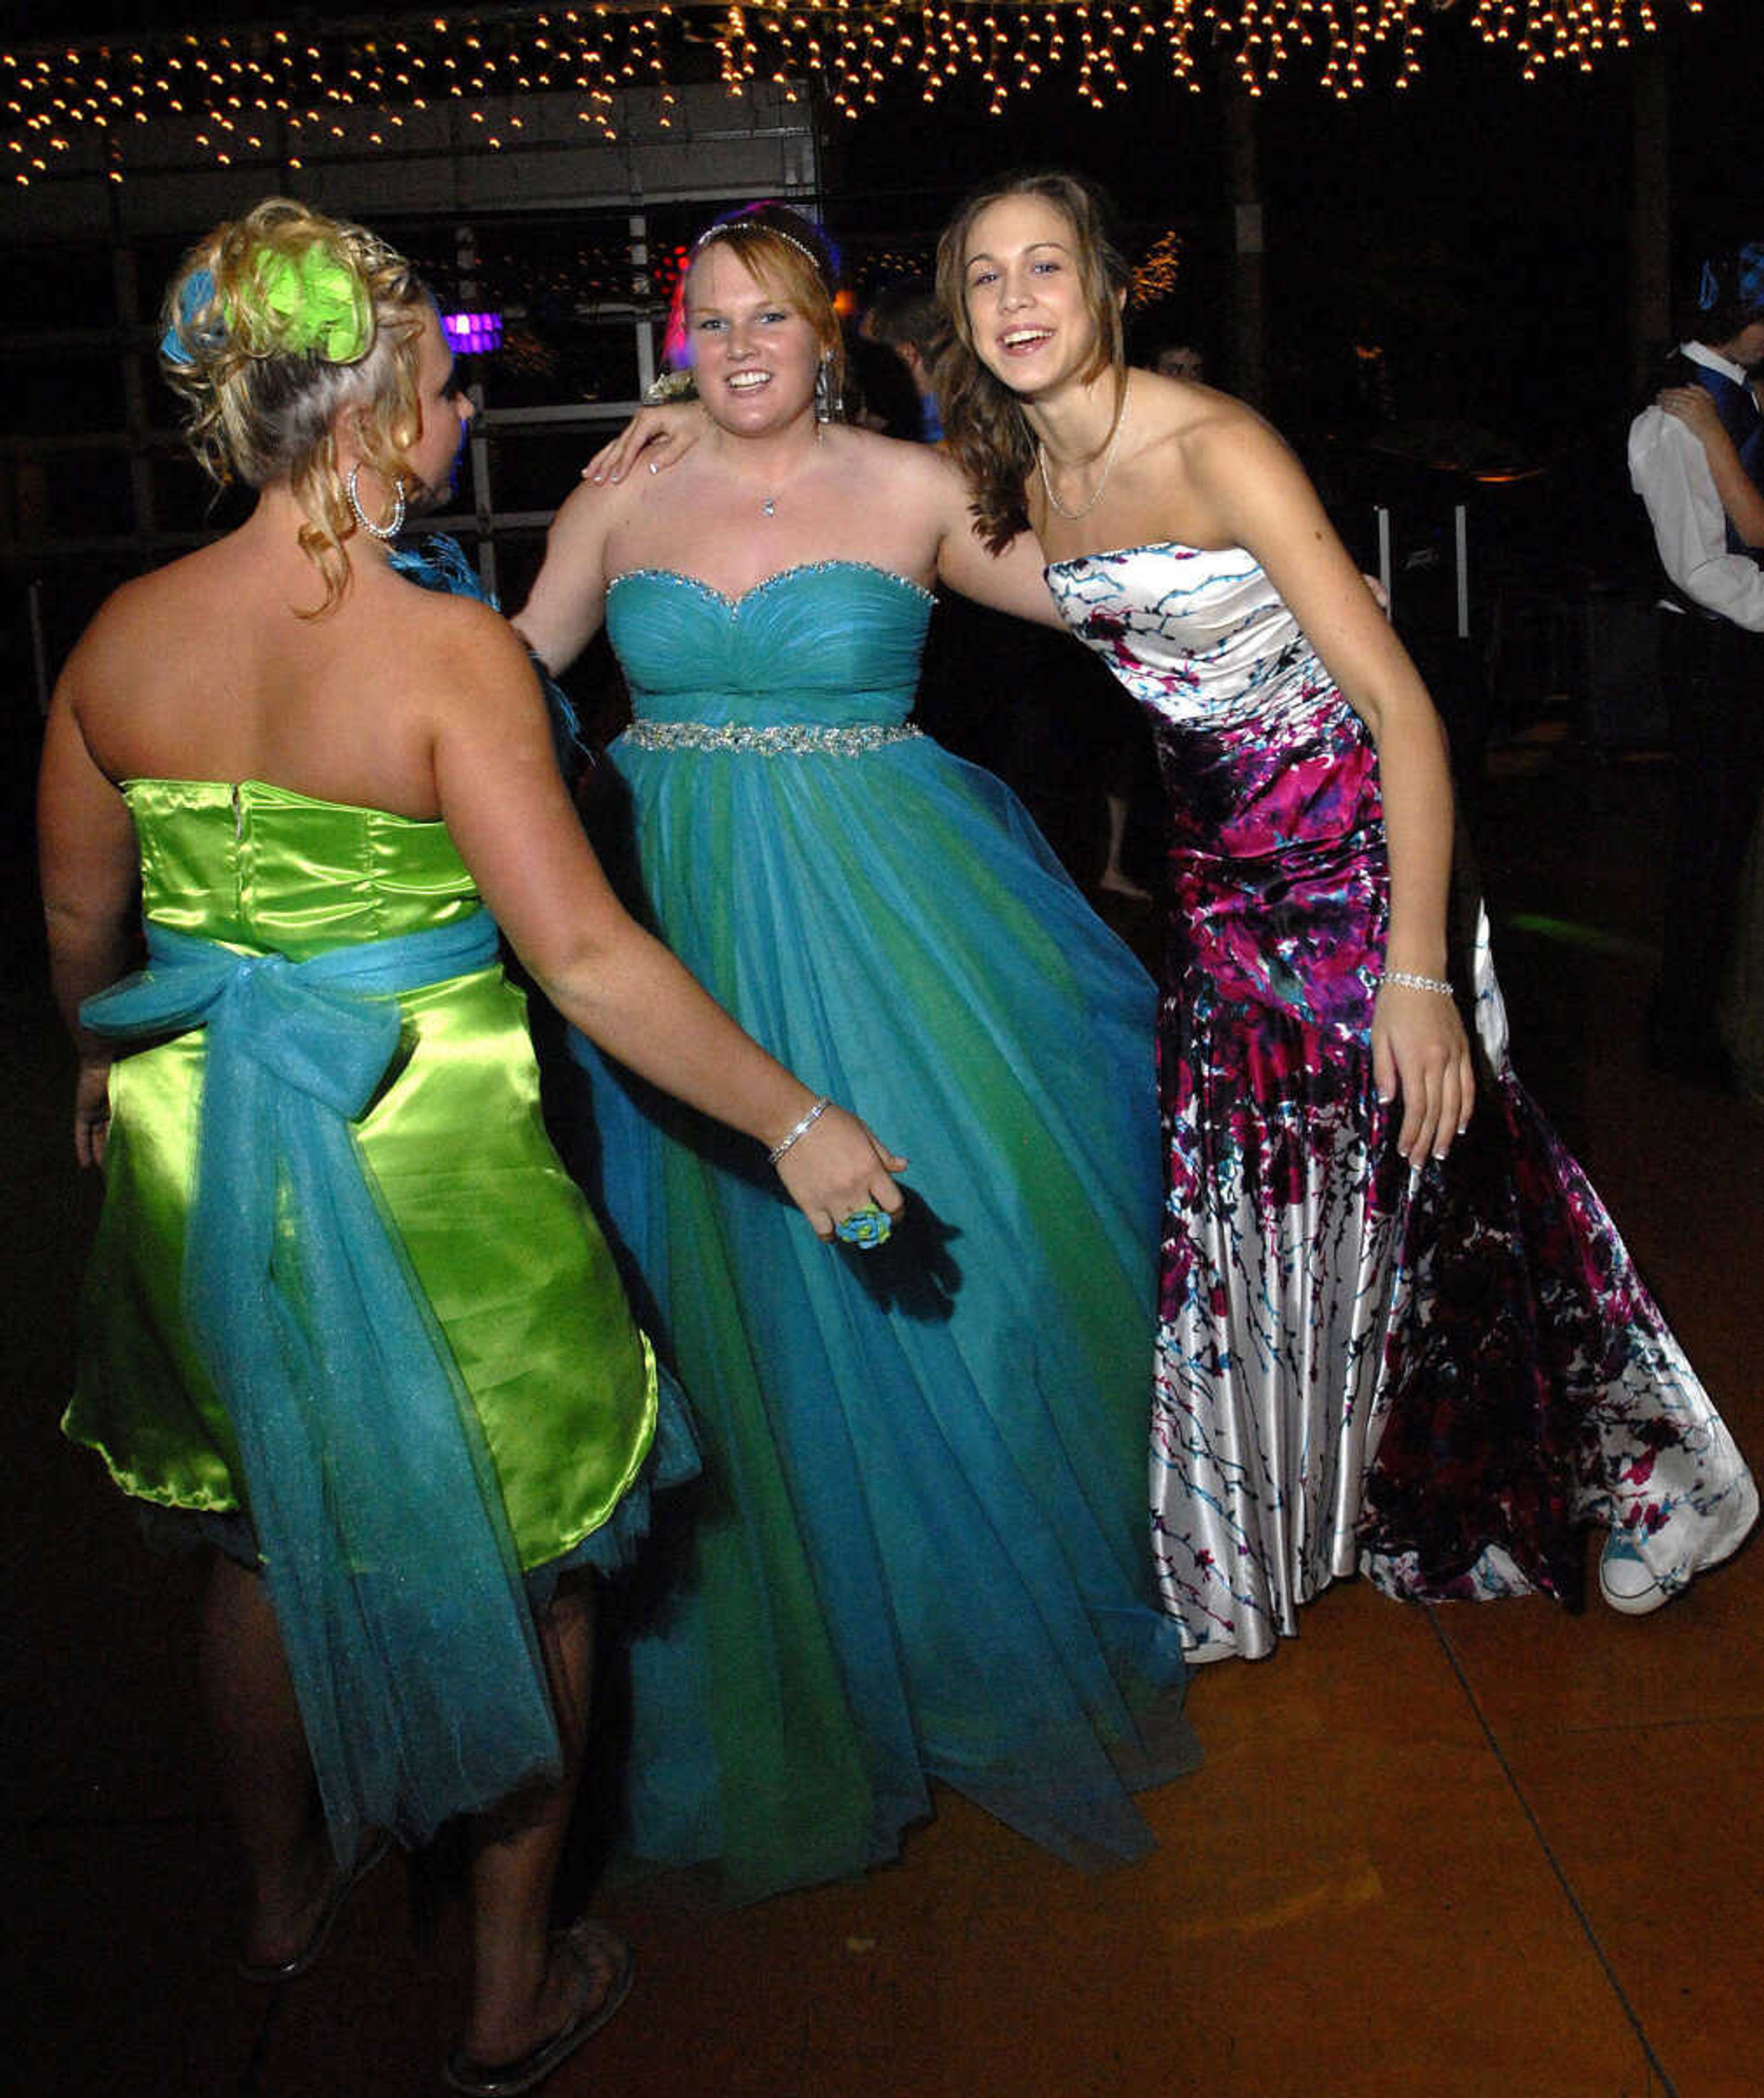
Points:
(1443, 1377)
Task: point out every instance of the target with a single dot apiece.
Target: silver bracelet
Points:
(1412, 982)
(800, 1131)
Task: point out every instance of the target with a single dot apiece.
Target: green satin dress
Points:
(497, 1236)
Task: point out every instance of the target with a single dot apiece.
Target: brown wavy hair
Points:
(984, 426)
(258, 408)
(778, 245)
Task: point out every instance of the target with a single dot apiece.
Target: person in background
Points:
(1742, 1006)
(346, 1318)
(907, 318)
(1180, 360)
(879, 393)
(1712, 658)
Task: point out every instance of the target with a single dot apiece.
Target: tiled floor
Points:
(1479, 1852)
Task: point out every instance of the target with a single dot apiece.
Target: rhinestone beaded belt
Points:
(787, 740)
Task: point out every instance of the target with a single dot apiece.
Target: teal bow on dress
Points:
(375, 1501)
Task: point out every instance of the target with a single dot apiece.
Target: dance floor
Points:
(1507, 1852)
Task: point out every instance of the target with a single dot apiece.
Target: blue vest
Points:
(1740, 417)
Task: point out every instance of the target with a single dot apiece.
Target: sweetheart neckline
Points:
(734, 602)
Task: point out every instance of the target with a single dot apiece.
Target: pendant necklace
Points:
(769, 503)
(1085, 508)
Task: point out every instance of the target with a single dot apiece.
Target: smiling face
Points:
(754, 353)
(1025, 299)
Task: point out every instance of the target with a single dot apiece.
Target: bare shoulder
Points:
(594, 508)
(1227, 443)
(891, 462)
(455, 643)
(1199, 426)
(137, 625)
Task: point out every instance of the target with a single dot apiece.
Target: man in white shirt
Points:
(1712, 660)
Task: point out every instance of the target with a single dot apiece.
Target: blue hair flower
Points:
(180, 341)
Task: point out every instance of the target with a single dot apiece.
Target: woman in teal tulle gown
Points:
(346, 1316)
(920, 1550)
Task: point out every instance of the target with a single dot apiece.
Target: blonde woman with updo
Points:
(347, 1318)
(921, 1558)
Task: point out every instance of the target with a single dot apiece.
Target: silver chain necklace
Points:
(1085, 508)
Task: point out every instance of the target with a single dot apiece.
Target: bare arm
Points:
(1740, 496)
(568, 602)
(509, 815)
(1012, 581)
(1260, 495)
(86, 847)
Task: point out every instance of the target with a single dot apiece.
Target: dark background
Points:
(1474, 226)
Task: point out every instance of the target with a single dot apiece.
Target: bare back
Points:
(206, 670)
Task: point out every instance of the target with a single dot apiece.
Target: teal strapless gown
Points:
(922, 1548)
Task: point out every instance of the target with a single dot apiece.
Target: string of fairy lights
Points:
(251, 92)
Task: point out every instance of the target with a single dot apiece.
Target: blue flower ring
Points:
(865, 1228)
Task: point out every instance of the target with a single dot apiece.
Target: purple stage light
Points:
(470, 335)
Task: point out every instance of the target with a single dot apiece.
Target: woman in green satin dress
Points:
(346, 1313)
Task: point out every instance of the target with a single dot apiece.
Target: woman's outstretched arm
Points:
(506, 808)
(568, 602)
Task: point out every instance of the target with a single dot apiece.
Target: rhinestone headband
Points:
(728, 227)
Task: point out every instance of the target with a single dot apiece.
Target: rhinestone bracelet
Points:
(1411, 981)
(801, 1130)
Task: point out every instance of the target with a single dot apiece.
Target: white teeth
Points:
(1019, 336)
(746, 380)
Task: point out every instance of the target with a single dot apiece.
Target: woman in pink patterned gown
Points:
(1393, 1332)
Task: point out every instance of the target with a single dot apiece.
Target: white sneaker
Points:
(1626, 1580)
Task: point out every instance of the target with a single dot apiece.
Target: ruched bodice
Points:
(263, 866)
(833, 644)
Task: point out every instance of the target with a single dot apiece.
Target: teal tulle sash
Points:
(375, 1505)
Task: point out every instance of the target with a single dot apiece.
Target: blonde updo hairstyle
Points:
(273, 323)
(779, 247)
(984, 426)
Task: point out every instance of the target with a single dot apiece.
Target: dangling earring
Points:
(823, 391)
(393, 525)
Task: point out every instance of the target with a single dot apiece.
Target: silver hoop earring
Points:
(393, 525)
(823, 391)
